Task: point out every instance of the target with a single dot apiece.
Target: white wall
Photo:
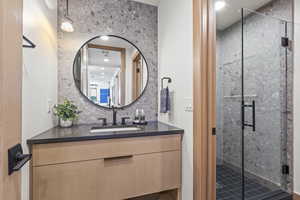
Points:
(297, 99)
(39, 72)
(175, 58)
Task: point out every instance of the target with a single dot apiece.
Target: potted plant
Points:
(67, 113)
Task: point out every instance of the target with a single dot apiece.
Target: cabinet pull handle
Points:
(118, 158)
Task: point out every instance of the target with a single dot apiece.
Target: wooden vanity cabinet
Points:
(113, 169)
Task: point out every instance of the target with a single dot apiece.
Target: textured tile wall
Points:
(135, 21)
(219, 79)
(265, 82)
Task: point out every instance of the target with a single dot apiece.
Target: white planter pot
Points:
(65, 123)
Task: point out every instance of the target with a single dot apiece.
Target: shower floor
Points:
(229, 187)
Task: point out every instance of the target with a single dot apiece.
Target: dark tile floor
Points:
(229, 187)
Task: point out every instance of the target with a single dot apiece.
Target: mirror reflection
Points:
(110, 71)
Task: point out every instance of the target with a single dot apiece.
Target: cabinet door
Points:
(158, 172)
(70, 181)
(138, 175)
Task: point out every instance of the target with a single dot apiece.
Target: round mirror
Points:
(110, 71)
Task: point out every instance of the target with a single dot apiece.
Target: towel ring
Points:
(165, 78)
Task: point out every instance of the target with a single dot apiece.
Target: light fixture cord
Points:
(67, 6)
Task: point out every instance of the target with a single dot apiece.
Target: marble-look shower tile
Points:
(269, 146)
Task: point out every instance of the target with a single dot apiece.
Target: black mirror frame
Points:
(103, 107)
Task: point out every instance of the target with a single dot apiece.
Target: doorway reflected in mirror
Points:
(110, 71)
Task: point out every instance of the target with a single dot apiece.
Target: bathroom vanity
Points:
(101, 161)
(78, 163)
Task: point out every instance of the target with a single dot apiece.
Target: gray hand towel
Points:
(164, 100)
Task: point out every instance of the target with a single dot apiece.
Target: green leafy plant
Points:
(66, 111)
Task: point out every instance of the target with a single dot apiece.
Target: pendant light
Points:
(67, 23)
(219, 5)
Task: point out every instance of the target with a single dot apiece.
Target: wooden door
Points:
(205, 96)
(122, 74)
(137, 76)
(10, 92)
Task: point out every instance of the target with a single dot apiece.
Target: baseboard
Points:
(296, 197)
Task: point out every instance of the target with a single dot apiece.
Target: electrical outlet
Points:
(49, 106)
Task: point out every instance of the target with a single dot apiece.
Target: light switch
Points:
(188, 104)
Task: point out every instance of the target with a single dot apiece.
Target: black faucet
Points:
(114, 115)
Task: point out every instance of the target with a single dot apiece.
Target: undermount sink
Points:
(114, 129)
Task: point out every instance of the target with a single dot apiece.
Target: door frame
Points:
(204, 92)
(11, 12)
(136, 76)
(204, 83)
(123, 66)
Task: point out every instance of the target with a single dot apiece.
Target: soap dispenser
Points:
(139, 117)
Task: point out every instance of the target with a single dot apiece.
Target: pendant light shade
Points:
(67, 26)
(67, 23)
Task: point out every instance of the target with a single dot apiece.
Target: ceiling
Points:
(98, 75)
(231, 13)
(101, 71)
(97, 56)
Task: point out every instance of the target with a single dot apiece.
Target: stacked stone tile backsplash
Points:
(134, 21)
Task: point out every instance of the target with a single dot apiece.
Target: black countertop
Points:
(82, 133)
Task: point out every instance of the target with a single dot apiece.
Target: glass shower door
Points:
(229, 132)
(265, 63)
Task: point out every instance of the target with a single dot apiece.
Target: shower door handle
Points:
(252, 106)
(253, 117)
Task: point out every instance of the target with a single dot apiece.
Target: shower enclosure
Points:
(254, 63)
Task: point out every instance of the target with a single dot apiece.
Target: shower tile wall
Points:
(264, 75)
(219, 103)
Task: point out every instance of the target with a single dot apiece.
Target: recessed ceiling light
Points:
(219, 5)
(104, 37)
(102, 68)
(106, 60)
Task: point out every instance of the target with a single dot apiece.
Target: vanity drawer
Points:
(113, 178)
(46, 154)
(140, 175)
